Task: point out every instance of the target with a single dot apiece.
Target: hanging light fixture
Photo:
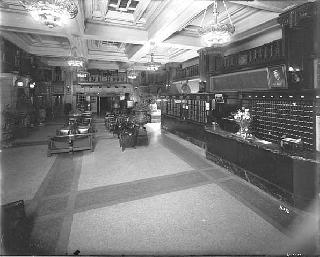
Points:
(152, 66)
(51, 13)
(75, 62)
(132, 74)
(216, 33)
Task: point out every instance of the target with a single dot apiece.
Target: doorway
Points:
(57, 106)
(105, 104)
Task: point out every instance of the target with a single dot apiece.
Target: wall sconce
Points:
(32, 85)
(19, 82)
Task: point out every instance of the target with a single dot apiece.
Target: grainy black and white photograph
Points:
(160, 127)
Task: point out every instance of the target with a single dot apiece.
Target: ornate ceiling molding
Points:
(111, 32)
(170, 23)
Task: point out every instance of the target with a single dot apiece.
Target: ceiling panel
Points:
(100, 22)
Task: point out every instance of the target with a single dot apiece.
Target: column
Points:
(210, 63)
(316, 42)
(69, 92)
(300, 30)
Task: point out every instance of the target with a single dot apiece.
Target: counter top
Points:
(183, 119)
(268, 146)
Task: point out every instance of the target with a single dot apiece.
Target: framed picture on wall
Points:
(277, 77)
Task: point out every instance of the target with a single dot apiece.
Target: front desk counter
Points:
(289, 176)
(189, 130)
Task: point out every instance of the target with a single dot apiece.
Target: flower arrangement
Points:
(243, 118)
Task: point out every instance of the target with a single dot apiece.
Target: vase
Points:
(244, 128)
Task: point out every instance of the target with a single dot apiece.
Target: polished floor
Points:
(156, 199)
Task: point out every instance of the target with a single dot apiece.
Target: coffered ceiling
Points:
(116, 34)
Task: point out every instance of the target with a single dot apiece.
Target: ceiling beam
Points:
(138, 53)
(107, 56)
(99, 8)
(116, 33)
(271, 6)
(15, 39)
(93, 64)
(35, 50)
(186, 56)
(183, 40)
(128, 4)
(23, 22)
(118, 5)
(52, 52)
(140, 9)
(31, 31)
(271, 25)
(174, 17)
(88, 9)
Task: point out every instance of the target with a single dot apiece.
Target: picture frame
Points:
(277, 77)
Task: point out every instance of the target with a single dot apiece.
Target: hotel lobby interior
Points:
(160, 127)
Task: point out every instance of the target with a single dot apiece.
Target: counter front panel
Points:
(290, 176)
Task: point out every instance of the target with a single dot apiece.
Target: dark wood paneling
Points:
(183, 128)
(275, 168)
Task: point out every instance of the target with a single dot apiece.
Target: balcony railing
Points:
(266, 54)
(187, 72)
(114, 78)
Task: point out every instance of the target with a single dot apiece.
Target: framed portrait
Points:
(277, 77)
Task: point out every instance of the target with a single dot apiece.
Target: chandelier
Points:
(152, 66)
(132, 74)
(75, 62)
(51, 13)
(216, 33)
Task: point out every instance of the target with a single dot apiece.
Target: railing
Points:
(266, 54)
(113, 78)
(187, 72)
